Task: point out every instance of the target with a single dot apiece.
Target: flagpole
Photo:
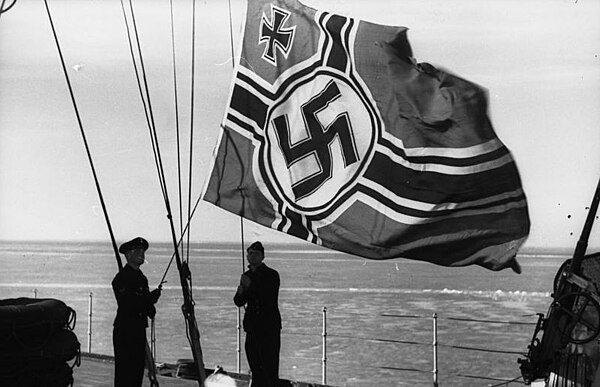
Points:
(239, 311)
(585, 233)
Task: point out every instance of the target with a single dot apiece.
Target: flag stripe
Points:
(244, 128)
(244, 101)
(252, 82)
(446, 241)
(516, 195)
(433, 215)
(444, 168)
(450, 160)
(258, 85)
(296, 225)
(410, 215)
(337, 57)
(458, 153)
(434, 187)
(400, 238)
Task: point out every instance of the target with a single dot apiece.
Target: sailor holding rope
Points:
(259, 291)
(135, 304)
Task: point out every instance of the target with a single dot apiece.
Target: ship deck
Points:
(98, 371)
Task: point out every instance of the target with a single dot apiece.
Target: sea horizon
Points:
(230, 244)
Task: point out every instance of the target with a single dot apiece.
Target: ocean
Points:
(379, 314)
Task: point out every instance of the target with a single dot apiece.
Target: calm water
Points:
(370, 339)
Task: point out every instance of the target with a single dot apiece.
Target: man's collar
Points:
(256, 267)
(131, 267)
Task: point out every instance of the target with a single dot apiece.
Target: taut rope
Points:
(83, 136)
(191, 126)
(176, 103)
(2, 9)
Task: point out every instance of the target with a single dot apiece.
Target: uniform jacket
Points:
(261, 300)
(134, 300)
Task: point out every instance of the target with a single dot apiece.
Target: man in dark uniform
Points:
(259, 291)
(135, 304)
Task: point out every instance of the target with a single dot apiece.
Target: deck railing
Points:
(325, 334)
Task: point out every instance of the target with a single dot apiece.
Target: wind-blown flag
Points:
(334, 134)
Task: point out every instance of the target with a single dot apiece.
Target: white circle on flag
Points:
(328, 141)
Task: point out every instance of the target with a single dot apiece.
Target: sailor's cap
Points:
(135, 243)
(256, 246)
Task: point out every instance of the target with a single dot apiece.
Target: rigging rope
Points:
(2, 9)
(191, 124)
(83, 136)
(180, 240)
(239, 311)
(582, 243)
(233, 66)
(231, 35)
(242, 243)
(151, 371)
(145, 98)
(187, 308)
(176, 103)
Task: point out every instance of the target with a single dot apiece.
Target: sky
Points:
(539, 59)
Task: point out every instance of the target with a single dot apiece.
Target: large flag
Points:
(336, 135)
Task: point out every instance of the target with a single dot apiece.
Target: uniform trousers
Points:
(262, 351)
(129, 344)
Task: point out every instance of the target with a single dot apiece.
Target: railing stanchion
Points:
(153, 338)
(89, 332)
(324, 374)
(435, 354)
(239, 340)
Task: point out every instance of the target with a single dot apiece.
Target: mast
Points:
(582, 243)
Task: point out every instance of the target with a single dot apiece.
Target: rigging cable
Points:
(233, 66)
(176, 103)
(149, 360)
(83, 136)
(239, 311)
(192, 331)
(191, 124)
(2, 9)
(243, 201)
(145, 98)
(231, 36)
(582, 243)
(180, 240)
